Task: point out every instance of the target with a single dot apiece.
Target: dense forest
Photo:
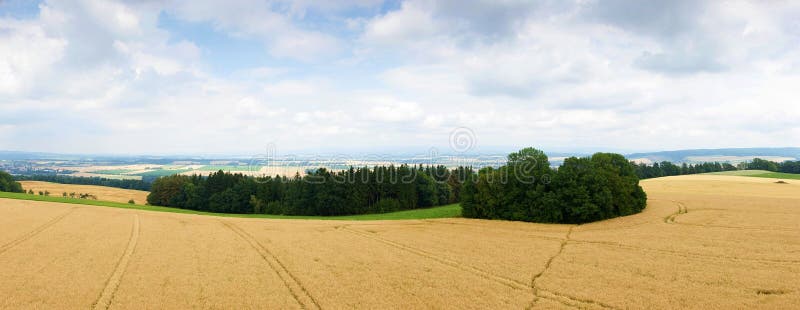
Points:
(665, 168)
(7, 183)
(580, 190)
(65, 179)
(322, 192)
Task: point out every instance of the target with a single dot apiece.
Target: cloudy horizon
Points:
(203, 77)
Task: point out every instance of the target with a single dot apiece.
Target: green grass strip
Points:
(777, 175)
(760, 174)
(448, 211)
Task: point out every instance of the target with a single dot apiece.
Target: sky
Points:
(239, 76)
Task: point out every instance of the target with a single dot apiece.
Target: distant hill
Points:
(733, 155)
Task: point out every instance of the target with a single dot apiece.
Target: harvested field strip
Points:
(103, 193)
(35, 232)
(105, 299)
(298, 291)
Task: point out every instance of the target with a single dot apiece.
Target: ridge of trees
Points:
(65, 179)
(763, 164)
(8, 184)
(581, 190)
(323, 192)
(666, 168)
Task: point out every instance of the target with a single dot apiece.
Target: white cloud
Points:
(258, 20)
(26, 51)
(393, 110)
(86, 76)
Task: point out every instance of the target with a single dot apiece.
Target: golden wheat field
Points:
(102, 192)
(703, 242)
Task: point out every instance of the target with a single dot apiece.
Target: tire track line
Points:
(36, 231)
(298, 291)
(670, 219)
(755, 228)
(482, 273)
(527, 233)
(682, 209)
(537, 292)
(515, 284)
(648, 220)
(621, 227)
(485, 226)
(547, 267)
(687, 254)
(574, 302)
(107, 296)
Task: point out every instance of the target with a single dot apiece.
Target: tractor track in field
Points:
(682, 209)
(482, 273)
(670, 219)
(687, 254)
(515, 284)
(764, 229)
(538, 292)
(112, 284)
(36, 231)
(481, 225)
(298, 291)
(546, 267)
(528, 234)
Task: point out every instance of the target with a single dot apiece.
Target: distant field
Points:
(703, 242)
(162, 172)
(759, 174)
(229, 168)
(735, 159)
(102, 192)
(106, 176)
(114, 171)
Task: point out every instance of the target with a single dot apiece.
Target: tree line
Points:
(580, 190)
(322, 192)
(763, 164)
(65, 179)
(8, 184)
(666, 168)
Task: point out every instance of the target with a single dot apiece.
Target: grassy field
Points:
(453, 210)
(778, 175)
(760, 174)
(703, 242)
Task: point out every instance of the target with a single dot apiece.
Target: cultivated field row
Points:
(702, 242)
